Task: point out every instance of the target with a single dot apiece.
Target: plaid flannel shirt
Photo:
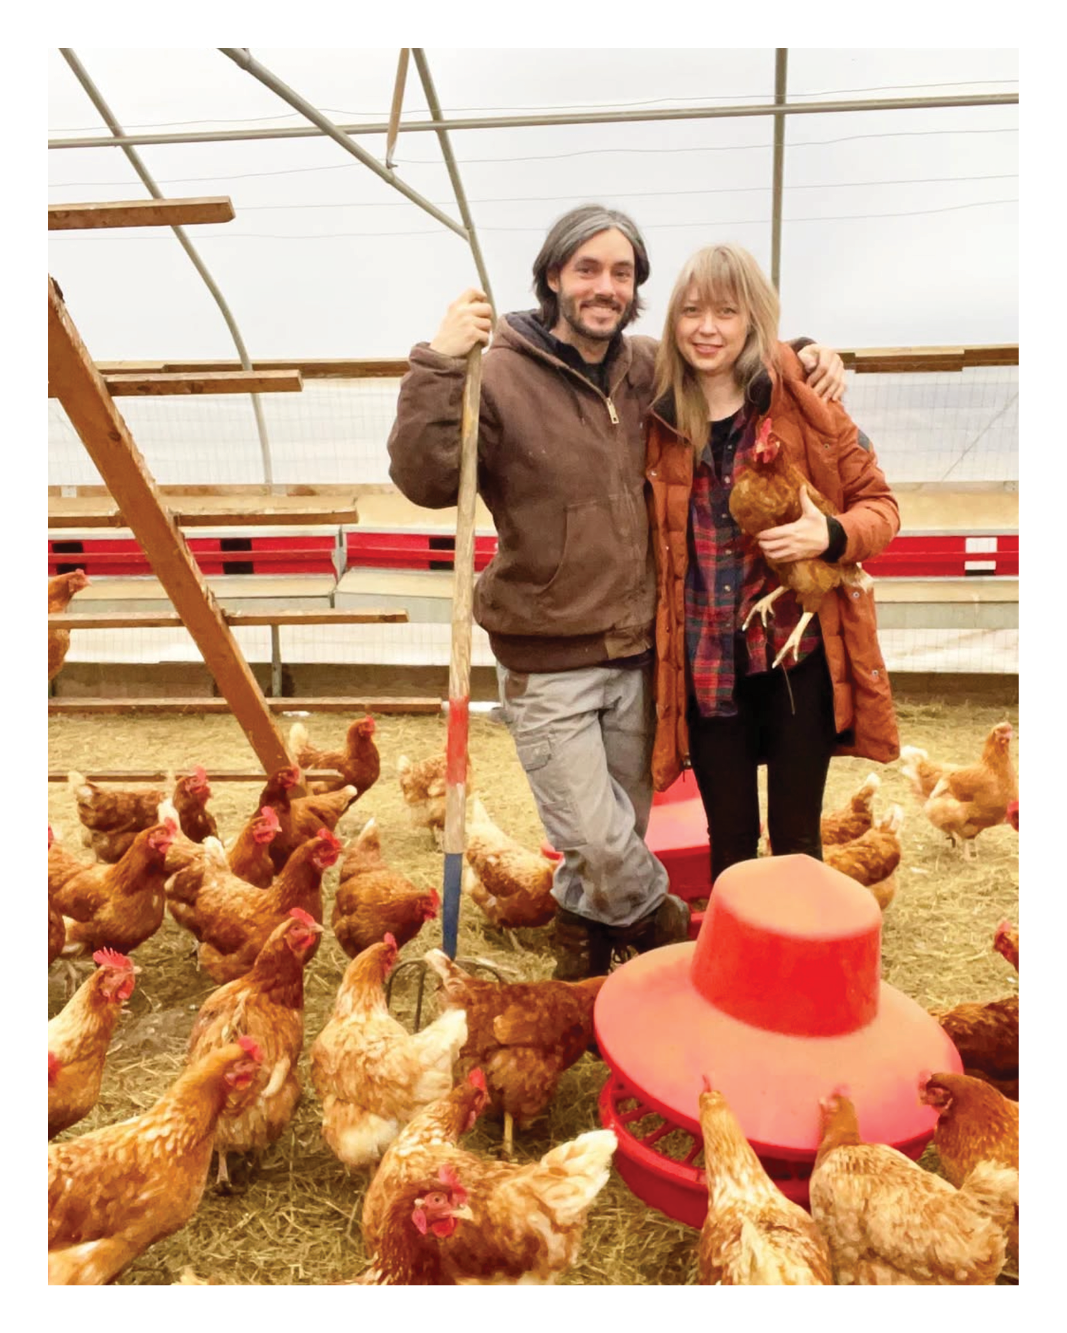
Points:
(726, 575)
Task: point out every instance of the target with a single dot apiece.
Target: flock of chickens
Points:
(396, 1104)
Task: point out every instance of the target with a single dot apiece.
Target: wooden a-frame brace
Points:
(75, 381)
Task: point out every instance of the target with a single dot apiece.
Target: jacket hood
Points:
(523, 331)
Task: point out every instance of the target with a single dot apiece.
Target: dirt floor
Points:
(296, 1219)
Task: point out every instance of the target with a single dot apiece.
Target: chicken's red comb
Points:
(324, 835)
(366, 726)
(112, 958)
(1003, 927)
(478, 1079)
(925, 1075)
(268, 815)
(390, 939)
(447, 1176)
(708, 1085)
(842, 1090)
(51, 836)
(251, 1049)
(55, 1066)
(199, 774)
(305, 918)
(170, 826)
(435, 899)
(764, 433)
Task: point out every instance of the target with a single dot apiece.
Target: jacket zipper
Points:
(611, 411)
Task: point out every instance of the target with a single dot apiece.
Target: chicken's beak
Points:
(463, 1214)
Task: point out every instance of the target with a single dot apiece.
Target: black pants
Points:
(794, 738)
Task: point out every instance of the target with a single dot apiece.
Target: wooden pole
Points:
(76, 382)
(398, 103)
(459, 671)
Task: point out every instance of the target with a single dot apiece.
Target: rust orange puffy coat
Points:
(823, 442)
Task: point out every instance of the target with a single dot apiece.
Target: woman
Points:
(721, 376)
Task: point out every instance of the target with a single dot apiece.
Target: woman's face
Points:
(710, 337)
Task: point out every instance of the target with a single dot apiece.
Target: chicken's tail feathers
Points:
(911, 760)
(165, 810)
(994, 1188)
(299, 742)
(445, 968)
(446, 1034)
(75, 780)
(868, 787)
(478, 814)
(403, 764)
(571, 1176)
(893, 821)
(216, 853)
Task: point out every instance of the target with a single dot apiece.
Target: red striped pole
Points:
(459, 672)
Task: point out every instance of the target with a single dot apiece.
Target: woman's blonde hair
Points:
(718, 273)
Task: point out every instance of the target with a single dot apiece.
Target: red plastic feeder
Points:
(677, 835)
(779, 1001)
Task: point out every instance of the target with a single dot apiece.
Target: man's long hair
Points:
(569, 232)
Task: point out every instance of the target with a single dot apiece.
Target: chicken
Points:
(975, 1124)
(112, 906)
(266, 1004)
(113, 816)
(964, 801)
(872, 858)
(766, 494)
(57, 931)
(527, 1220)
(60, 591)
(423, 785)
(853, 819)
(310, 813)
(987, 1038)
(1012, 814)
(79, 1035)
(890, 1223)
(276, 795)
(1006, 943)
(249, 853)
(114, 1191)
(752, 1235)
(358, 763)
(523, 1035)
(232, 919)
(420, 1216)
(373, 900)
(370, 1074)
(511, 885)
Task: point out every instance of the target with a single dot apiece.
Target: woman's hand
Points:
(468, 321)
(805, 539)
(825, 371)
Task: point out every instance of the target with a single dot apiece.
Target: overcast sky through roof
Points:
(898, 227)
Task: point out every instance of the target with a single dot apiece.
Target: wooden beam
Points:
(210, 512)
(302, 489)
(397, 107)
(112, 449)
(222, 381)
(347, 368)
(171, 620)
(214, 705)
(139, 213)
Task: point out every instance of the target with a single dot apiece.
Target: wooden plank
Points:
(229, 511)
(139, 213)
(111, 447)
(346, 368)
(215, 705)
(171, 620)
(296, 488)
(222, 381)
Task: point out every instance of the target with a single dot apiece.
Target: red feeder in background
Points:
(779, 1000)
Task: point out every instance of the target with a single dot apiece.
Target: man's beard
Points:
(569, 310)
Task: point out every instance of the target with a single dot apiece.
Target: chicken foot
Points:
(763, 608)
(793, 642)
(509, 1134)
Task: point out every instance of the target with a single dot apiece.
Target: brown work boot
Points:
(582, 947)
(667, 924)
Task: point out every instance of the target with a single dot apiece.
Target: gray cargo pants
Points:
(584, 739)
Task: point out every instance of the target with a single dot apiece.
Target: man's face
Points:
(595, 288)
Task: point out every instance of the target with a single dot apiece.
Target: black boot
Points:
(667, 924)
(582, 947)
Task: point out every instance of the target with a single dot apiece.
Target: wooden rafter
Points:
(222, 381)
(196, 704)
(139, 213)
(236, 619)
(93, 414)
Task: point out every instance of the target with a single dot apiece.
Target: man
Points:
(568, 600)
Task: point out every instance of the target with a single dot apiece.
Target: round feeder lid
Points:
(779, 1001)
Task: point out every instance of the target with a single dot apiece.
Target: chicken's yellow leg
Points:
(763, 607)
(509, 1131)
(793, 642)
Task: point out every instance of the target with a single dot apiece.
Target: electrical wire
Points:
(544, 157)
(645, 227)
(549, 107)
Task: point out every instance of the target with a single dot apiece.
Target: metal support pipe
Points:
(241, 56)
(153, 189)
(423, 67)
(575, 118)
(778, 170)
(398, 103)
